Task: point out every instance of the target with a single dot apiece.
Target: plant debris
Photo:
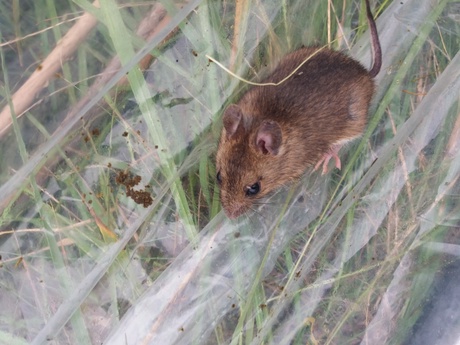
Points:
(141, 197)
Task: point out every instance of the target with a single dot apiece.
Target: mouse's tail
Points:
(376, 49)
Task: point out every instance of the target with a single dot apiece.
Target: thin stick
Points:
(264, 84)
(46, 71)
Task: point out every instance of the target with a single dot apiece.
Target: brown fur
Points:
(324, 103)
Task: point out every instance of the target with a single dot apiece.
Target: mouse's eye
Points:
(252, 190)
(219, 178)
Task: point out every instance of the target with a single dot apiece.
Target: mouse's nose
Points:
(234, 209)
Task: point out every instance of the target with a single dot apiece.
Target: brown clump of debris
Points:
(95, 132)
(141, 197)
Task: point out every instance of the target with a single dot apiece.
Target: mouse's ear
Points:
(232, 119)
(269, 138)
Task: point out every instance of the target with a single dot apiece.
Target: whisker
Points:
(255, 210)
(259, 203)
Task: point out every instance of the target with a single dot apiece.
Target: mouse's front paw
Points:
(324, 161)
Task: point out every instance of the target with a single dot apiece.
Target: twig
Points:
(46, 71)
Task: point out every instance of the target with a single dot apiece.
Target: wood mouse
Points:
(274, 133)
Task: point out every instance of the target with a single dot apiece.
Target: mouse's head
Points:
(247, 160)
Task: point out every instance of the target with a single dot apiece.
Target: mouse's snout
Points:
(233, 208)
